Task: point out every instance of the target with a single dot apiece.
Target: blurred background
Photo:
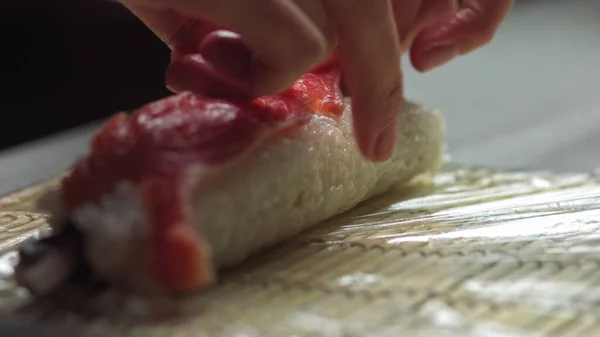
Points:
(530, 99)
(75, 60)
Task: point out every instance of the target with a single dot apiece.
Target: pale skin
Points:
(284, 39)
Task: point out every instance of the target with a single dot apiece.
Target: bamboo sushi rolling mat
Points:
(479, 253)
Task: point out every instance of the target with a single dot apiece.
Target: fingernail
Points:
(227, 54)
(386, 142)
(437, 56)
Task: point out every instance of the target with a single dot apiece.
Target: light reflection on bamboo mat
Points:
(481, 253)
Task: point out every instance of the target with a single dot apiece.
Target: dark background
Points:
(64, 63)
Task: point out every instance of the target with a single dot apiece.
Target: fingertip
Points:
(173, 81)
(378, 147)
(364, 145)
(435, 45)
(434, 57)
(376, 128)
(377, 117)
(385, 143)
(363, 132)
(415, 58)
(226, 52)
(469, 28)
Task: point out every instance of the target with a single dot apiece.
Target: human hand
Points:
(283, 39)
(446, 37)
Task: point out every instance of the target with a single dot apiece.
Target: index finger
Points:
(370, 57)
